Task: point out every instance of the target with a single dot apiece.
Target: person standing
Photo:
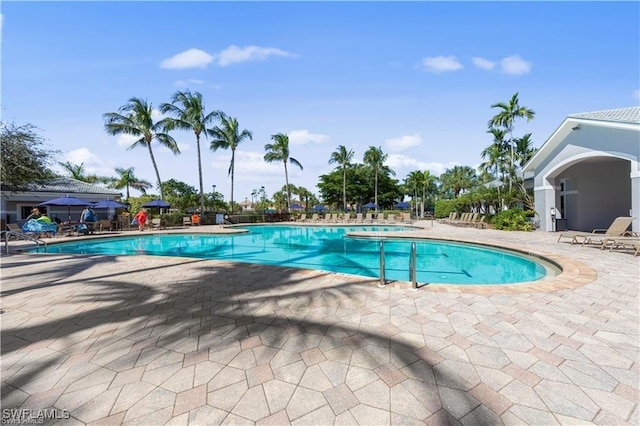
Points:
(141, 218)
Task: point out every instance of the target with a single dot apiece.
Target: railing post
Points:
(382, 279)
(412, 266)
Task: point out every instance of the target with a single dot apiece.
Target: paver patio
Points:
(149, 341)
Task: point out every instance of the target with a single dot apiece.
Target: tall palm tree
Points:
(506, 118)
(189, 114)
(375, 159)
(342, 157)
(135, 119)
(227, 136)
(127, 179)
(279, 151)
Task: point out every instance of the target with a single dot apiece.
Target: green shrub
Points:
(513, 220)
(445, 207)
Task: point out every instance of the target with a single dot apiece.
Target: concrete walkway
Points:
(152, 341)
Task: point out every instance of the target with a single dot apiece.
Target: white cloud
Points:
(126, 141)
(439, 64)
(192, 58)
(250, 165)
(482, 63)
(235, 54)
(636, 94)
(403, 142)
(400, 162)
(304, 137)
(514, 65)
(186, 83)
(92, 163)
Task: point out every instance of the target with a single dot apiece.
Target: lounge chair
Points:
(618, 228)
(359, 218)
(391, 218)
(481, 222)
(186, 221)
(380, 218)
(623, 243)
(303, 217)
(16, 229)
(314, 217)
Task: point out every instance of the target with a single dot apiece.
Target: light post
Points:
(213, 197)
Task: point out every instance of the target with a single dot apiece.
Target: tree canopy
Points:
(25, 157)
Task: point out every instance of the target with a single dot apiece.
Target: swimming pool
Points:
(329, 249)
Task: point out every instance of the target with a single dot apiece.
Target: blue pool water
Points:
(329, 249)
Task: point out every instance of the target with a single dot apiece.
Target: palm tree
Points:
(509, 112)
(343, 158)
(227, 136)
(375, 158)
(279, 151)
(458, 179)
(524, 149)
(76, 171)
(495, 154)
(189, 114)
(413, 181)
(126, 179)
(135, 119)
(428, 184)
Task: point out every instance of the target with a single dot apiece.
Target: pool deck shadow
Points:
(152, 340)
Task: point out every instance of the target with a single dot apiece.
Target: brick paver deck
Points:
(151, 341)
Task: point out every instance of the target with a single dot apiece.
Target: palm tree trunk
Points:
(233, 155)
(286, 179)
(344, 188)
(376, 191)
(200, 175)
(155, 167)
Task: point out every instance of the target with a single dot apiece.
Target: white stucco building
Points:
(589, 170)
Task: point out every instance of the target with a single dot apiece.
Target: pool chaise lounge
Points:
(622, 243)
(618, 228)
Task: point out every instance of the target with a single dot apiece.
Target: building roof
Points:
(69, 186)
(620, 118)
(620, 115)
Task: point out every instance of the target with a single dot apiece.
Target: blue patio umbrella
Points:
(318, 208)
(403, 205)
(370, 206)
(157, 203)
(296, 206)
(68, 202)
(109, 204)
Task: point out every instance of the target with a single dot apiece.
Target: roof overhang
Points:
(570, 124)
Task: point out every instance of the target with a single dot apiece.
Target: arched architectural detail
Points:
(588, 172)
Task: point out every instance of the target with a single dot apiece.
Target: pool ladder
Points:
(413, 276)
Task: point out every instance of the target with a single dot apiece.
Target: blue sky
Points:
(415, 78)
